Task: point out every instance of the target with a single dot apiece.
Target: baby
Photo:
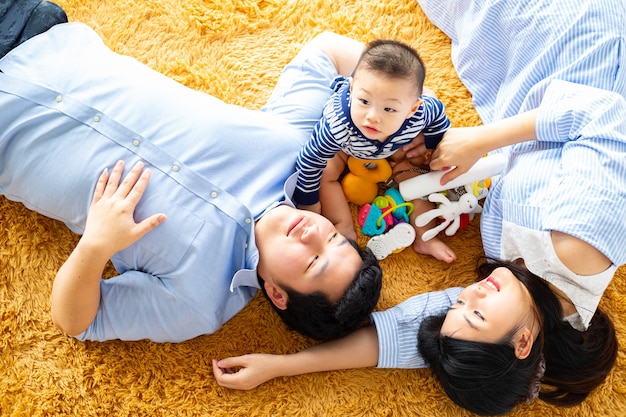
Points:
(371, 115)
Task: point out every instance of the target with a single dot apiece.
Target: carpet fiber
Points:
(235, 49)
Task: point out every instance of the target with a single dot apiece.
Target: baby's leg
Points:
(433, 247)
(335, 207)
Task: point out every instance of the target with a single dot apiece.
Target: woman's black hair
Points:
(487, 378)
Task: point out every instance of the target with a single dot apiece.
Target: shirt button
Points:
(136, 142)
(248, 220)
(214, 194)
(175, 168)
(246, 245)
(59, 99)
(96, 118)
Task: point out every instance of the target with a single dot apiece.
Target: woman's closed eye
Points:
(475, 312)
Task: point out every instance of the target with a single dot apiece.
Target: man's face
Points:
(304, 251)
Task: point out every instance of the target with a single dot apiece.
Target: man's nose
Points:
(310, 233)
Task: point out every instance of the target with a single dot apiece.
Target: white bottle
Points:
(428, 183)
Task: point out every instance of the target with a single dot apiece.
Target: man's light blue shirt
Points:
(71, 107)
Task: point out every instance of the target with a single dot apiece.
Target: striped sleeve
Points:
(436, 121)
(397, 327)
(313, 158)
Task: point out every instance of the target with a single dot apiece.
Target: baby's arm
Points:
(335, 207)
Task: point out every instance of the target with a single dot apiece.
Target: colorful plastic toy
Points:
(383, 213)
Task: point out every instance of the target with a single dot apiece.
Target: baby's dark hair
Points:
(315, 316)
(393, 59)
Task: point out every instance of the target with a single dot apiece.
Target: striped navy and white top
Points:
(567, 58)
(336, 132)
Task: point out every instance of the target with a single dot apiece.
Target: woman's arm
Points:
(462, 147)
(110, 227)
(357, 350)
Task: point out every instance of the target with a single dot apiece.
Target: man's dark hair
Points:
(315, 316)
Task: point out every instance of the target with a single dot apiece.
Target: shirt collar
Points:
(248, 277)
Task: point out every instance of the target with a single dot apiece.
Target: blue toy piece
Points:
(368, 220)
(402, 209)
(384, 213)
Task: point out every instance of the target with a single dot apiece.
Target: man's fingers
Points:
(150, 223)
(114, 178)
(130, 180)
(100, 185)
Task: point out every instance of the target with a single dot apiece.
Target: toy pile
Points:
(386, 217)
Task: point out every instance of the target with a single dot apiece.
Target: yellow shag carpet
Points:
(235, 49)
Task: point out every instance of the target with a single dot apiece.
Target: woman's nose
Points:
(478, 291)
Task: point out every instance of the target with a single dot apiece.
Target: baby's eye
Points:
(363, 101)
(480, 316)
(333, 236)
(460, 302)
(389, 110)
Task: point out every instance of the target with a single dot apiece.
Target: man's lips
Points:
(294, 224)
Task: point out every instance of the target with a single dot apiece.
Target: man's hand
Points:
(111, 226)
(415, 153)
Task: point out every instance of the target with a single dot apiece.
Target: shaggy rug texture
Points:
(235, 49)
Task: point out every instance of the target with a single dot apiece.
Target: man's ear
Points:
(523, 343)
(276, 294)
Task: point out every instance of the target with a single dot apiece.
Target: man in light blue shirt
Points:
(220, 187)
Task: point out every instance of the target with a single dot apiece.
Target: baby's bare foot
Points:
(435, 248)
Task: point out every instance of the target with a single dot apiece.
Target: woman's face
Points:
(491, 309)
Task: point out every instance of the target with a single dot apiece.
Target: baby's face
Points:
(381, 104)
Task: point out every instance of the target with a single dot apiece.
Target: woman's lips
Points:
(492, 283)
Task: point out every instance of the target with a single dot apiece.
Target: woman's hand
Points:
(245, 372)
(459, 149)
(357, 350)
